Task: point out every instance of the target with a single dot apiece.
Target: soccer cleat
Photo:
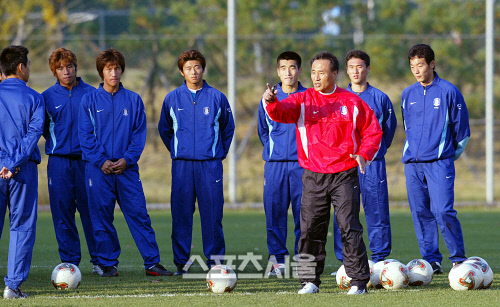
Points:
(458, 262)
(97, 270)
(10, 293)
(109, 271)
(180, 271)
(308, 288)
(277, 270)
(355, 290)
(436, 268)
(158, 270)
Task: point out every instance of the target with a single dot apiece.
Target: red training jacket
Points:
(329, 128)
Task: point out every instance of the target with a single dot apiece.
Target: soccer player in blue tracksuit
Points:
(66, 169)
(282, 172)
(112, 131)
(373, 182)
(21, 126)
(437, 129)
(197, 126)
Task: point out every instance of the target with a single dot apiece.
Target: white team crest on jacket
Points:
(206, 110)
(437, 102)
(343, 110)
(125, 112)
(91, 182)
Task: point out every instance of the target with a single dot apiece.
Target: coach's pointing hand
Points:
(269, 94)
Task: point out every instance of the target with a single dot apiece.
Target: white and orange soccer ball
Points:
(66, 276)
(221, 279)
(420, 272)
(375, 273)
(485, 269)
(343, 281)
(465, 276)
(394, 276)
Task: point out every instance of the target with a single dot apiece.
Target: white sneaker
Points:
(97, 270)
(309, 288)
(278, 270)
(10, 293)
(355, 290)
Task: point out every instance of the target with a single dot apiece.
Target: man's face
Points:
(289, 72)
(357, 71)
(322, 76)
(192, 71)
(112, 74)
(66, 74)
(423, 72)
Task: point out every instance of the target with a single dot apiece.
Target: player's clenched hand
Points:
(361, 162)
(119, 166)
(269, 95)
(5, 173)
(107, 167)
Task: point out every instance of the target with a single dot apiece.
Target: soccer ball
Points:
(375, 274)
(66, 276)
(394, 276)
(485, 270)
(465, 276)
(420, 272)
(343, 280)
(221, 278)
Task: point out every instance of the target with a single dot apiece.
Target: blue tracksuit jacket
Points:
(282, 179)
(437, 130)
(436, 121)
(373, 183)
(61, 124)
(22, 114)
(196, 129)
(66, 170)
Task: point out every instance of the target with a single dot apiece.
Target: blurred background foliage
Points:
(152, 33)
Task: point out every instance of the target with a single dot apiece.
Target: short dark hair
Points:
(191, 55)
(422, 51)
(326, 55)
(290, 56)
(358, 54)
(59, 56)
(11, 57)
(110, 56)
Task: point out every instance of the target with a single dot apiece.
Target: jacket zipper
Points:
(423, 123)
(113, 116)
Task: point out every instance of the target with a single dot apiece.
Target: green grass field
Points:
(245, 233)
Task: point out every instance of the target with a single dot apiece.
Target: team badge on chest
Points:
(436, 103)
(343, 110)
(125, 112)
(206, 110)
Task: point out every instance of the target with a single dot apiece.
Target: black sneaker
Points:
(180, 271)
(109, 271)
(436, 267)
(158, 270)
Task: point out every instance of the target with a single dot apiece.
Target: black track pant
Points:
(318, 193)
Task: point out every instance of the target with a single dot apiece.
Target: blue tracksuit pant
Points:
(282, 186)
(126, 188)
(375, 197)
(201, 180)
(430, 189)
(66, 178)
(20, 194)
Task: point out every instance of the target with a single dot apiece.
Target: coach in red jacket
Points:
(336, 132)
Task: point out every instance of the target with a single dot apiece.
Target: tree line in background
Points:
(153, 33)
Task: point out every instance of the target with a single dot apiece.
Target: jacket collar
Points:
(102, 90)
